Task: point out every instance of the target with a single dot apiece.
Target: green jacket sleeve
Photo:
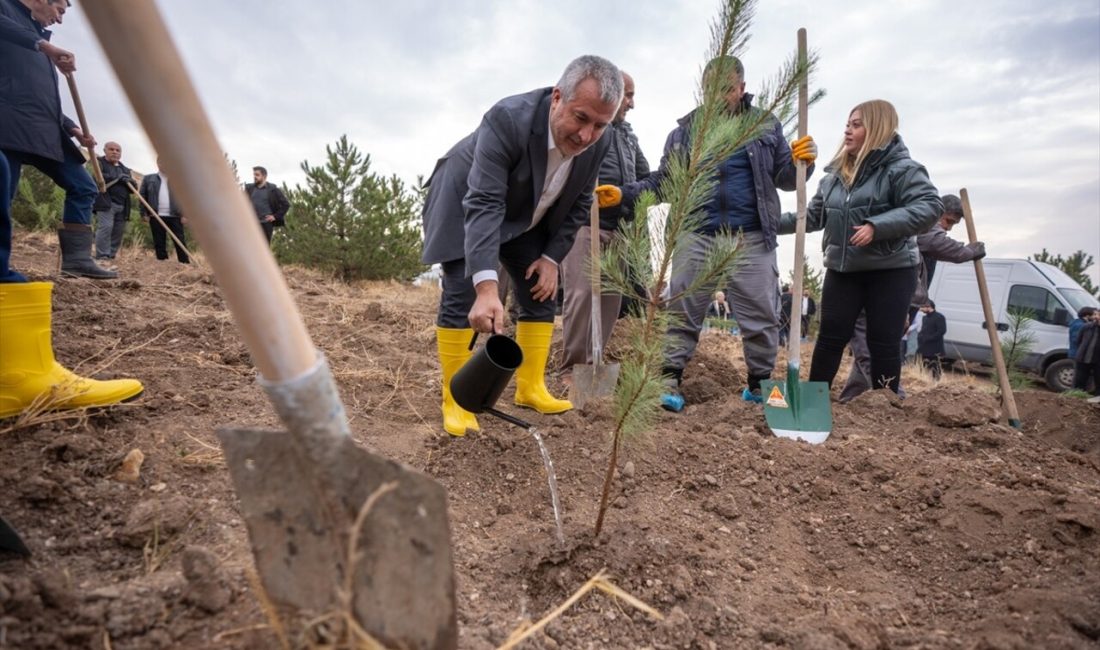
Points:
(917, 205)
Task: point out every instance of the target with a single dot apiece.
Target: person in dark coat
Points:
(268, 201)
(33, 131)
(1087, 359)
(157, 192)
(871, 205)
(1084, 315)
(930, 339)
(785, 307)
(809, 310)
(515, 191)
(624, 163)
(112, 207)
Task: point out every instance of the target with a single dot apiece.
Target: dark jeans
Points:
(160, 238)
(269, 230)
(1082, 372)
(70, 175)
(6, 194)
(884, 296)
(515, 256)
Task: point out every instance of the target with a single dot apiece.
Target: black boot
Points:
(76, 253)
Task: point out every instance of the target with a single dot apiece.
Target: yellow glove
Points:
(804, 149)
(608, 196)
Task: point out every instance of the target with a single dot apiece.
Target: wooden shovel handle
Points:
(148, 65)
(794, 345)
(1007, 396)
(595, 310)
(97, 173)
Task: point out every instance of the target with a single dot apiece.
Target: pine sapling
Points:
(638, 257)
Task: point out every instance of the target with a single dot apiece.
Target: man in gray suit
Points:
(513, 193)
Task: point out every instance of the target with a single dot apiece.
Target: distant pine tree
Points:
(351, 222)
(1075, 266)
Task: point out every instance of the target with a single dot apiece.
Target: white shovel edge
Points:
(812, 437)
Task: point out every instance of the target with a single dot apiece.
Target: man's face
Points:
(628, 98)
(735, 91)
(578, 123)
(48, 13)
(258, 176)
(927, 309)
(112, 152)
(949, 221)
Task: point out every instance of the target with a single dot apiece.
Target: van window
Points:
(1036, 300)
(1077, 298)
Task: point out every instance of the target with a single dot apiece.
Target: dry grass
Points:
(600, 582)
(206, 456)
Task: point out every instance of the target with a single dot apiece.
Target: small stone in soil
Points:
(628, 469)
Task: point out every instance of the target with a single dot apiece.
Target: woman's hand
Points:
(863, 235)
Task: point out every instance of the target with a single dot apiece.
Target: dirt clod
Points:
(159, 517)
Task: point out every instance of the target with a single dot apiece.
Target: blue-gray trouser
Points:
(109, 229)
(752, 290)
(859, 377)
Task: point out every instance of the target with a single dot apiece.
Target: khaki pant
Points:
(577, 305)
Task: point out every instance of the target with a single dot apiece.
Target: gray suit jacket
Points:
(484, 191)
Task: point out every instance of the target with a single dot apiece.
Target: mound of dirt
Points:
(922, 523)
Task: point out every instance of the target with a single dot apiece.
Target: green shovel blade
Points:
(798, 409)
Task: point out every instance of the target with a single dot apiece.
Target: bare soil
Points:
(925, 523)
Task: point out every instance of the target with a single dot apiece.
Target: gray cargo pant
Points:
(859, 377)
(576, 313)
(752, 290)
(109, 229)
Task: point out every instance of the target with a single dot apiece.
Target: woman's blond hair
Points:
(880, 119)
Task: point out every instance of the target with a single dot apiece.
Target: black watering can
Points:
(478, 384)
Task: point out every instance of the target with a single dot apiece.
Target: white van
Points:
(1052, 297)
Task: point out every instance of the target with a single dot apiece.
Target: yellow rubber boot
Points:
(534, 340)
(29, 375)
(454, 350)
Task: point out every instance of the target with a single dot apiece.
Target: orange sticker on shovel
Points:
(776, 399)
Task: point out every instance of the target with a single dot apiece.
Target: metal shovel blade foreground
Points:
(597, 379)
(592, 381)
(799, 410)
(300, 524)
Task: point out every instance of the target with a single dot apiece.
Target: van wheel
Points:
(1059, 375)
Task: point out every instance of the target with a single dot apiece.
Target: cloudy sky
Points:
(1002, 98)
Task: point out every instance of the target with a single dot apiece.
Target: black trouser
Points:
(1082, 372)
(160, 238)
(884, 296)
(515, 256)
(269, 230)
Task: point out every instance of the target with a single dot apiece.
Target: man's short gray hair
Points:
(606, 74)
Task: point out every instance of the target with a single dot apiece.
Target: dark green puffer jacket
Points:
(891, 192)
